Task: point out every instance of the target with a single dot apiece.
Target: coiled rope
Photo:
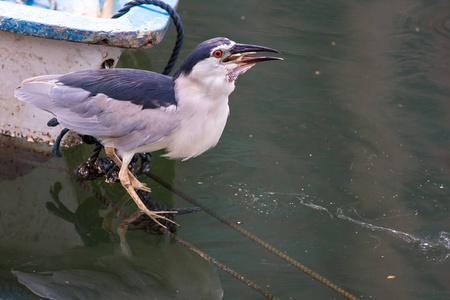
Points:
(176, 21)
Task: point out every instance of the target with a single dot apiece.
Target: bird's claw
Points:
(137, 185)
(154, 215)
(144, 188)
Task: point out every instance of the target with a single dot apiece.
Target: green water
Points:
(337, 156)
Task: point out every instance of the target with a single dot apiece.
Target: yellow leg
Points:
(135, 183)
(124, 176)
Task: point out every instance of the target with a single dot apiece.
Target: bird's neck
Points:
(211, 87)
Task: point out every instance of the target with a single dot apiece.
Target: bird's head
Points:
(220, 60)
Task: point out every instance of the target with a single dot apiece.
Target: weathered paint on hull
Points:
(22, 57)
(36, 41)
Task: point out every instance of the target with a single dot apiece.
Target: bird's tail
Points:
(36, 91)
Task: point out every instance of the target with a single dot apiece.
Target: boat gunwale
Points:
(141, 27)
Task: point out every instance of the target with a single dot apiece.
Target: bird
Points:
(138, 111)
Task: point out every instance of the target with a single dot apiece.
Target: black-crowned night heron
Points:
(137, 111)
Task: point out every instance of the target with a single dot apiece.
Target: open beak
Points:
(240, 54)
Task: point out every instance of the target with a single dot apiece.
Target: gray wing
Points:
(149, 89)
(98, 114)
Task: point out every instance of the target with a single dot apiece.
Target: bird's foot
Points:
(143, 187)
(155, 215)
(137, 185)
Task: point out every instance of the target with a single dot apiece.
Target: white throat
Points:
(203, 111)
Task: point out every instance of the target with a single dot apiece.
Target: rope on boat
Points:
(176, 21)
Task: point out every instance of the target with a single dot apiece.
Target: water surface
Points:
(337, 156)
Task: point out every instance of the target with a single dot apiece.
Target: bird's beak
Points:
(239, 54)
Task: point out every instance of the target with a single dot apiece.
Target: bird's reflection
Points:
(100, 270)
(93, 228)
(163, 271)
(86, 218)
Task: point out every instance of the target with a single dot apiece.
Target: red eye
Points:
(217, 53)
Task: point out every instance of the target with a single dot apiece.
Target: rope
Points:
(255, 239)
(230, 271)
(55, 149)
(184, 243)
(52, 4)
(176, 21)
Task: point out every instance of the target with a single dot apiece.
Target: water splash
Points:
(260, 201)
(263, 202)
(436, 248)
(314, 206)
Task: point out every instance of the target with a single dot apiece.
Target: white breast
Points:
(203, 117)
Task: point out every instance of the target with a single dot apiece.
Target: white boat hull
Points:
(23, 57)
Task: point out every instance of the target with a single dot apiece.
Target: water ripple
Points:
(428, 18)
